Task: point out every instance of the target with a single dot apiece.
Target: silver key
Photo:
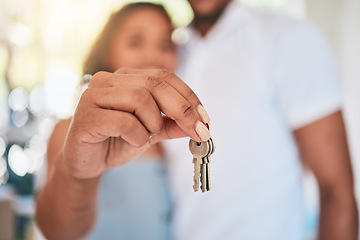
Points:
(199, 150)
(205, 168)
(208, 165)
(204, 172)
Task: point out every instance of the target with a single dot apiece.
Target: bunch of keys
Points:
(201, 152)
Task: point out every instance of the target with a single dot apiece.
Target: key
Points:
(199, 150)
(205, 168)
(208, 165)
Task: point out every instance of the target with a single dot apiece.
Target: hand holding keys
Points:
(201, 152)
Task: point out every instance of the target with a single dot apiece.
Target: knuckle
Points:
(190, 93)
(140, 96)
(165, 74)
(87, 94)
(131, 127)
(122, 70)
(186, 109)
(142, 140)
(154, 82)
(127, 125)
(158, 125)
(97, 77)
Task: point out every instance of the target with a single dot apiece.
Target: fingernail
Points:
(203, 114)
(202, 131)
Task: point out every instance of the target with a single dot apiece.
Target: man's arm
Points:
(323, 146)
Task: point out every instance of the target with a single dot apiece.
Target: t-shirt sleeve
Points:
(307, 84)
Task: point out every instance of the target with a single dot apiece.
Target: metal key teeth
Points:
(196, 175)
(203, 178)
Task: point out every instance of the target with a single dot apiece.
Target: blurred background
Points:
(42, 47)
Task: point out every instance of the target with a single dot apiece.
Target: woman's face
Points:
(143, 40)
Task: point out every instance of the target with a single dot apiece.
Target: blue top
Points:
(134, 203)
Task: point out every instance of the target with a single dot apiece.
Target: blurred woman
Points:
(133, 200)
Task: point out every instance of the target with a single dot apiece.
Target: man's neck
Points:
(203, 24)
(203, 27)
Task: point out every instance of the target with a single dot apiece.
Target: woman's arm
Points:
(66, 205)
(117, 118)
(323, 146)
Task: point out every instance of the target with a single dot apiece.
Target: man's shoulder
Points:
(277, 21)
(279, 28)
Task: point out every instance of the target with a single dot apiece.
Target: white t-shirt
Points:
(259, 77)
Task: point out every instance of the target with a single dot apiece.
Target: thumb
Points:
(170, 130)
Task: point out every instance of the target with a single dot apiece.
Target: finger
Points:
(173, 105)
(169, 100)
(106, 79)
(105, 123)
(172, 79)
(170, 130)
(134, 100)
